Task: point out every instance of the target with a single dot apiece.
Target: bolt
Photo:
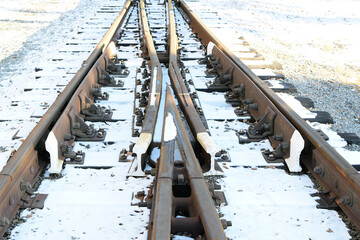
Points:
(4, 222)
(347, 200)
(248, 101)
(136, 133)
(242, 131)
(147, 204)
(11, 201)
(278, 138)
(211, 57)
(142, 204)
(225, 223)
(122, 158)
(140, 193)
(100, 134)
(89, 130)
(123, 151)
(105, 95)
(96, 91)
(25, 186)
(253, 106)
(78, 157)
(285, 145)
(68, 137)
(318, 170)
(122, 64)
(240, 91)
(68, 152)
(181, 179)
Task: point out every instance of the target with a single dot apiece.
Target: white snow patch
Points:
(88, 204)
(153, 86)
(296, 106)
(170, 131)
(160, 116)
(52, 146)
(155, 154)
(281, 204)
(297, 144)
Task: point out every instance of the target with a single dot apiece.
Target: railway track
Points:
(150, 82)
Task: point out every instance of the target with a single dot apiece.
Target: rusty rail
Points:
(197, 126)
(337, 176)
(23, 168)
(152, 109)
(182, 201)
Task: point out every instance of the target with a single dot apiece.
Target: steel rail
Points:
(337, 176)
(181, 91)
(197, 126)
(152, 109)
(22, 169)
(174, 176)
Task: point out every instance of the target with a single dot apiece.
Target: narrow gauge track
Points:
(187, 150)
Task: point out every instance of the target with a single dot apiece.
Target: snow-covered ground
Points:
(34, 35)
(315, 41)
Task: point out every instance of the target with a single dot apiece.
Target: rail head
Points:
(186, 103)
(148, 127)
